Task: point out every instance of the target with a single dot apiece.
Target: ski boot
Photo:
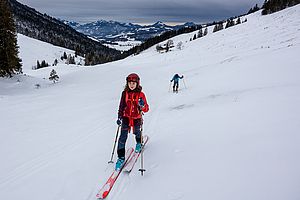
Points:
(138, 147)
(119, 163)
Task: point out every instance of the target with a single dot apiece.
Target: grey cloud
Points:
(142, 10)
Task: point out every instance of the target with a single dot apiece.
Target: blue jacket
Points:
(176, 78)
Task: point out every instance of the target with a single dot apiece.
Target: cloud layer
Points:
(142, 11)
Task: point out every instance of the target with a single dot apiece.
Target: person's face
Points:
(132, 85)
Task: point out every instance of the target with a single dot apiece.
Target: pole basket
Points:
(142, 171)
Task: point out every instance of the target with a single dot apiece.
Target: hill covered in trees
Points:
(271, 6)
(32, 23)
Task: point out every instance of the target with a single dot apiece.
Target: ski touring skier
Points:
(176, 78)
(132, 105)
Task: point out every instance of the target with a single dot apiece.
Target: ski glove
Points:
(119, 121)
(141, 103)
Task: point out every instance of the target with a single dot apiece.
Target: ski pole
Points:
(112, 154)
(142, 143)
(184, 83)
(170, 86)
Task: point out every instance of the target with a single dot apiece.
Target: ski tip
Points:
(104, 194)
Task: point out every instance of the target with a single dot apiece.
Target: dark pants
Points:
(124, 134)
(175, 86)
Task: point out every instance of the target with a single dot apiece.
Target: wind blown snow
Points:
(232, 131)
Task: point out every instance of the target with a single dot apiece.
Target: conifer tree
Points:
(215, 28)
(200, 33)
(218, 27)
(271, 6)
(254, 9)
(221, 27)
(77, 51)
(53, 76)
(38, 65)
(230, 22)
(169, 45)
(205, 32)
(159, 48)
(10, 63)
(180, 45)
(65, 55)
(227, 23)
(55, 62)
(44, 64)
(195, 37)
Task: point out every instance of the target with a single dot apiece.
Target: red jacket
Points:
(129, 105)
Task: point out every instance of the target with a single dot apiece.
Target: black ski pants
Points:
(124, 134)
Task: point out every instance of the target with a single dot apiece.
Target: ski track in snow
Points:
(32, 166)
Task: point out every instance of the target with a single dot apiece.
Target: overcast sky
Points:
(142, 11)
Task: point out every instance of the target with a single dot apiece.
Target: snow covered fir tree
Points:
(10, 63)
(53, 76)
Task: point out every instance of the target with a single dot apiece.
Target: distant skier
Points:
(133, 102)
(176, 78)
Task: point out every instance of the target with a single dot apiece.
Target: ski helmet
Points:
(133, 77)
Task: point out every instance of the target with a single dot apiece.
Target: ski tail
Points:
(104, 191)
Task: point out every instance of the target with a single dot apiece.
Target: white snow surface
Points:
(231, 133)
(124, 45)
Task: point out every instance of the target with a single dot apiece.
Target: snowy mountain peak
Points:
(159, 23)
(112, 31)
(189, 24)
(70, 23)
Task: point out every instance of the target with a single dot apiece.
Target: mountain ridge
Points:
(34, 24)
(109, 31)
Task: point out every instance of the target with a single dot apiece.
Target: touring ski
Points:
(104, 191)
(132, 160)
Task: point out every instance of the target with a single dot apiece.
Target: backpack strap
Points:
(126, 97)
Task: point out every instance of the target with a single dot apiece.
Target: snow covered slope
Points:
(32, 50)
(232, 133)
